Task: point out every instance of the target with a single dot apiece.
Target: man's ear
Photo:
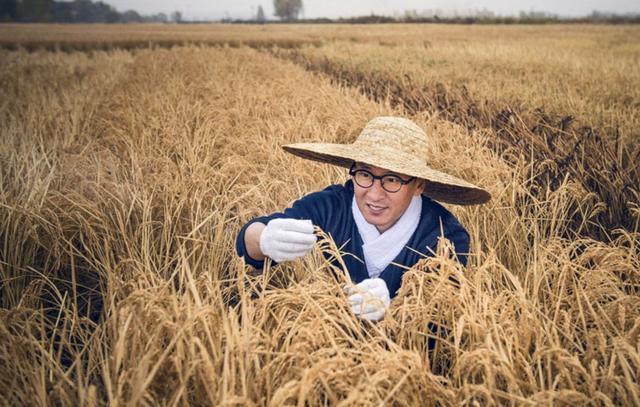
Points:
(421, 186)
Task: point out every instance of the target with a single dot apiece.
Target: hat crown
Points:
(396, 133)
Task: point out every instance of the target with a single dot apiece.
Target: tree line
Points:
(86, 11)
(595, 17)
(76, 11)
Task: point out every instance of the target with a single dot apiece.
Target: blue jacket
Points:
(330, 209)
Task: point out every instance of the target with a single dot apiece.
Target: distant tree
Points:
(34, 10)
(176, 16)
(83, 11)
(287, 9)
(260, 17)
(63, 12)
(159, 18)
(8, 10)
(105, 13)
(72, 11)
(130, 16)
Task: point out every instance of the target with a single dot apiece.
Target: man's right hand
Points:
(287, 239)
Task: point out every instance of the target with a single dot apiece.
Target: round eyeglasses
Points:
(390, 183)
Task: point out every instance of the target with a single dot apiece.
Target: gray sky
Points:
(215, 9)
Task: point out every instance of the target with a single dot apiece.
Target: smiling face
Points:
(380, 207)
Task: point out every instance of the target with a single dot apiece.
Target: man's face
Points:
(380, 207)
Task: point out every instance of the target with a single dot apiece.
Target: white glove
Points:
(369, 299)
(287, 239)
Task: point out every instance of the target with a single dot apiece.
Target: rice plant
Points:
(126, 175)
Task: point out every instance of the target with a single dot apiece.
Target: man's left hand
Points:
(369, 299)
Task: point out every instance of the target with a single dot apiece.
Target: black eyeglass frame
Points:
(352, 172)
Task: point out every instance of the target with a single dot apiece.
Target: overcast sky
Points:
(216, 9)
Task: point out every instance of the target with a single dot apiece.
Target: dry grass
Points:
(569, 103)
(562, 96)
(590, 73)
(126, 176)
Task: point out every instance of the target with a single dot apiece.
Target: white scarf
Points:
(380, 249)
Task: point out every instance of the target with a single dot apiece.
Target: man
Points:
(385, 215)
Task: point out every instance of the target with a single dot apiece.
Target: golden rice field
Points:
(131, 155)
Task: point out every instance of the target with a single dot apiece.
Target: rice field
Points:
(131, 156)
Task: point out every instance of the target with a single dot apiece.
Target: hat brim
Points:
(439, 185)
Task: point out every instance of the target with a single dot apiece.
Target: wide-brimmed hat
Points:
(398, 145)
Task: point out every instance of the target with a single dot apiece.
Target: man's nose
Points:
(376, 191)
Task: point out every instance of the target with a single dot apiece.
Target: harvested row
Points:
(125, 178)
(590, 73)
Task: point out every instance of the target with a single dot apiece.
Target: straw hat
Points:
(398, 145)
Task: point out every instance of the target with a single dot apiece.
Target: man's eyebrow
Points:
(368, 167)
